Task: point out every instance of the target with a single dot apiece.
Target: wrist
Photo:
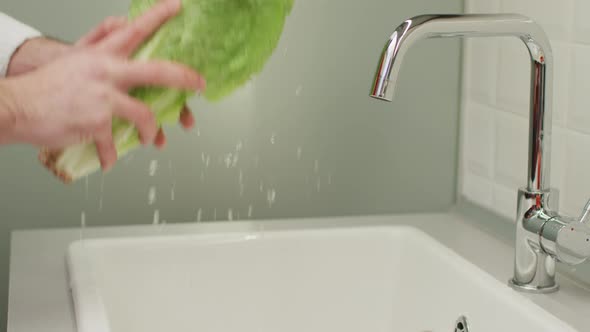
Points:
(9, 112)
(35, 53)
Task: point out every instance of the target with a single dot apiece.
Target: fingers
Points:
(105, 148)
(108, 26)
(137, 113)
(160, 141)
(187, 120)
(134, 34)
(157, 73)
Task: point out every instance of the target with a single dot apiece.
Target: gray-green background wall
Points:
(302, 139)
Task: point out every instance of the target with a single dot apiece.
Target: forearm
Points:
(35, 53)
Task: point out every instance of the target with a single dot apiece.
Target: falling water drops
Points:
(83, 220)
(271, 197)
(198, 132)
(273, 138)
(239, 146)
(250, 210)
(299, 153)
(202, 176)
(152, 195)
(214, 214)
(200, 215)
(228, 160)
(153, 168)
(156, 220)
(261, 186)
(319, 184)
(173, 191)
(230, 215)
(100, 201)
(86, 187)
(316, 166)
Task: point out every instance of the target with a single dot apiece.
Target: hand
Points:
(74, 98)
(108, 27)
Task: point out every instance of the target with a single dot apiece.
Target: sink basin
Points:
(370, 279)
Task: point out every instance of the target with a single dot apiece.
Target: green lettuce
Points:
(226, 41)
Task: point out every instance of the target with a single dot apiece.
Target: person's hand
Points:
(108, 27)
(74, 98)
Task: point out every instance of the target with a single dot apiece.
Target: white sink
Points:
(369, 279)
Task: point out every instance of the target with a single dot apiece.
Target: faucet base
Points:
(527, 288)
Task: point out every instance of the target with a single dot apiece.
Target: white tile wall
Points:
(496, 106)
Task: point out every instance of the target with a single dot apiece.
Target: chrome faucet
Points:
(543, 237)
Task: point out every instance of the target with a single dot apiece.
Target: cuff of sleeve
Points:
(14, 35)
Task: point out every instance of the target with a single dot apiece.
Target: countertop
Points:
(39, 299)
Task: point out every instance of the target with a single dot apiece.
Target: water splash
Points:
(299, 153)
(271, 197)
(250, 210)
(200, 215)
(230, 215)
(152, 195)
(156, 220)
(153, 168)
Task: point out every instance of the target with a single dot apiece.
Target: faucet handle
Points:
(585, 216)
(566, 239)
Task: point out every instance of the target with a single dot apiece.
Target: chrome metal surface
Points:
(543, 237)
(461, 325)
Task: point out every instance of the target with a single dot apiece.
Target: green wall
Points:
(310, 135)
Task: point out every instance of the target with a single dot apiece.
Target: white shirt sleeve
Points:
(12, 35)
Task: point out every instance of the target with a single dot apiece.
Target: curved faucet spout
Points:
(484, 25)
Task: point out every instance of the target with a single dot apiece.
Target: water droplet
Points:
(316, 166)
(152, 195)
(240, 176)
(299, 91)
(228, 159)
(230, 215)
(250, 210)
(153, 167)
(261, 186)
(173, 191)
(198, 132)
(203, 157)
(235, 160)
(242, 189)
(271, 197)
(156, 217)
(83, 219)
(239, 146)
(86, 187)
(273, 138)
(199, 215)
(299, 153)
(101, 193)
(207, 161)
